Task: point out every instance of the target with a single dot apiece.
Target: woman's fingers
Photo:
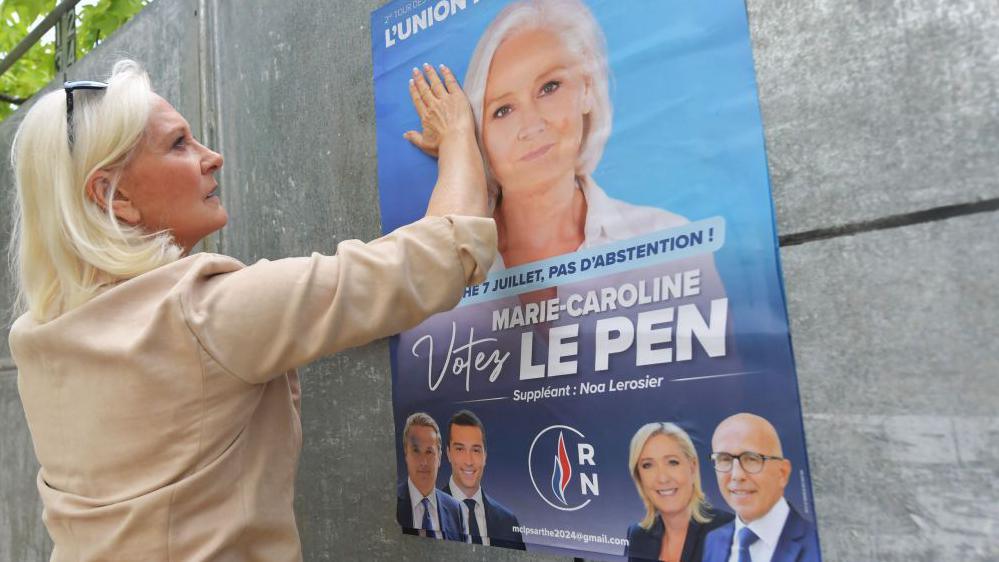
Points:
(436, 86)
(426, 87)
(449, 80)
(420, 141)
(420, 82)
(443, 109)
(414, 137)
(414, 93)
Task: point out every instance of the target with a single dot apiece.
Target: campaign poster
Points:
(622, 385)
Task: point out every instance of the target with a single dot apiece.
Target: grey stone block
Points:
(296, 126)
(876, 108)
(7, 283)
(895, 342)
(22, 535)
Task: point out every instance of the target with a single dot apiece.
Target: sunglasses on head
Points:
(71, 87)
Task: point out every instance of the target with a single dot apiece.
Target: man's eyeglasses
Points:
(70, 87)
(749, 461)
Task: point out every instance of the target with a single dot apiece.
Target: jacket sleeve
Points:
(261, 320)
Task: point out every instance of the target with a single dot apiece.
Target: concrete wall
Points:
(882, 126)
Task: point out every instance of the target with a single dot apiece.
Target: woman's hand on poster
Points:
(441, 106)
(449, 135)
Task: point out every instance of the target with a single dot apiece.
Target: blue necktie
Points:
(427, 524)
(473, 522)
(746, 538)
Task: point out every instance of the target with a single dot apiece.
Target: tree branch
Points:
(11, 99)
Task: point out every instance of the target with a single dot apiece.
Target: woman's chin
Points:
(535, 185)
(220, 219)
(670, 510)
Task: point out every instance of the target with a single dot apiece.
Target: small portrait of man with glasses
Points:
(752, 474)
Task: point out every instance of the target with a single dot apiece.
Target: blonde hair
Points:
(65, 247)
(579, 31)
(698, 502)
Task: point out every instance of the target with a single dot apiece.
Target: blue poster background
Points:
(687, 137)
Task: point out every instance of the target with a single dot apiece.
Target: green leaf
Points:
(100, 20)
(36, 68)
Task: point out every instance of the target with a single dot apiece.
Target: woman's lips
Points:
(536, 153)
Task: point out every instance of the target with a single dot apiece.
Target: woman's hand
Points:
(449, 134)
(441, 106)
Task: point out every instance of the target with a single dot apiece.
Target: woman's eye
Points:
(550, 87)
(180, 142)
(674, 462)
(646, 465)
(502, 112)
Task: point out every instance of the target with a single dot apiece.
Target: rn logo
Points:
(563, 468)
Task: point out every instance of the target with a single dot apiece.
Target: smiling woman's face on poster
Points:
(538, 85)
(533, 117)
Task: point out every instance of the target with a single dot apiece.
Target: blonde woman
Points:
(663, 463)
(159, 386)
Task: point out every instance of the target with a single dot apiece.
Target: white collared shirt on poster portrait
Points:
(416, 501)
(768, 528)
(612, 220)
(480, 510)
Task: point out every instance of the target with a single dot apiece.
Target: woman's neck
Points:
(676, 524)
(541, 222)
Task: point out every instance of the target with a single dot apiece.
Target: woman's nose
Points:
(211, 162)
(531, 124)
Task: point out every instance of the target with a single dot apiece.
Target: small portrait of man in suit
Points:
(421, 508)
(487, 521)
(752, 474)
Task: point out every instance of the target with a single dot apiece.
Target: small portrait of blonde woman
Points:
(663, 463)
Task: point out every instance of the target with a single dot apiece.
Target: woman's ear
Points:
(98, 188)
(587, 96)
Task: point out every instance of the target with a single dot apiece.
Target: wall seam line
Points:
(891, 221)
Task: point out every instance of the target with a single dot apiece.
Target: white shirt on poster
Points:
(612, 220)
(480, 510)
(768, 528)
(416, 499)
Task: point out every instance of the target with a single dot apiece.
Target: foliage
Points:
(96, 22)
(36, 68)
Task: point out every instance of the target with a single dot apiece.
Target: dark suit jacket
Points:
(645, 544)
(798, 542)
(499, 523)
(448, 512)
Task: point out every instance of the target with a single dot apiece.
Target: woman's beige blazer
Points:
(164, 411)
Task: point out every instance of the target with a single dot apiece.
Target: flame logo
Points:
(553, 492)
(562, 473)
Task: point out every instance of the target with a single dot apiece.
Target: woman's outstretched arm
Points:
(261, 320)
